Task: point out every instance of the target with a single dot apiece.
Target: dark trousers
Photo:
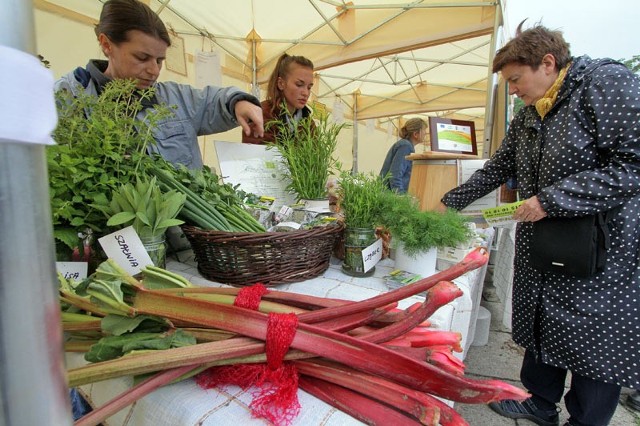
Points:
(589, 402)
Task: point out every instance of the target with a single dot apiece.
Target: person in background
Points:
(135, 42)
(395, 164)
(574, 150)
(290, 84)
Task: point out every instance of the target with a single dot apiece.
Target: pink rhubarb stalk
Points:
(355, 404)
(365, 356)
(415, 404)
(145, 387)
(473, 260)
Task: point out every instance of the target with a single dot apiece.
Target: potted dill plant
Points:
(359, 199)
(417, 234)
(307, 153)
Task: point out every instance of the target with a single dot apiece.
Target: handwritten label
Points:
(73, 270)
(284, 213)
(501, 215)
(372, 255)
(126, 249)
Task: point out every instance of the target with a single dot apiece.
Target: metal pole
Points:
(354, 148)
(33, 389)
(492, 86)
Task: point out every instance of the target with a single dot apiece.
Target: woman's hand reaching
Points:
(249, 116)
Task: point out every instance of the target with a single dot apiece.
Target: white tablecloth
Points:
(186, 404)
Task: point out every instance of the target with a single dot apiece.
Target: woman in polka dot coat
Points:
(574, 150)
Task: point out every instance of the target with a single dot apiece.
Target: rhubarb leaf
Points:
(109, 269)
(173, 340)
(110, 296)
(118, 325)
(111, 347)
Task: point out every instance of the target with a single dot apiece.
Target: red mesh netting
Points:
(249, 297)
(276, 398)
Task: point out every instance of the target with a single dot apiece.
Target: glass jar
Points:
(355, 240)
(156, 248)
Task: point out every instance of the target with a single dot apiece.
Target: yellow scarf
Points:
(544, 104)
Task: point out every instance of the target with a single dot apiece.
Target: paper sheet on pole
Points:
(27, 104)
(208, 68)
(256, 169)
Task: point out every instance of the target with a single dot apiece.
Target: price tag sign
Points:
(501, 215)
(284, 213)
(372, 255)
(73, 270)
(126, 249)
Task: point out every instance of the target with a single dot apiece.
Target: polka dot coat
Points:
(582, 158)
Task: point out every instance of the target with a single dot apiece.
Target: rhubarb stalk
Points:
(348, 350)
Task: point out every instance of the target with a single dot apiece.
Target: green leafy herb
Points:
(143, 206)
(307, 151)
(209, 203)
(100, 146)
(360, 196)
(421, 230)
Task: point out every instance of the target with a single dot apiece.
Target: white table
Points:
(186, 404)
(503, 271)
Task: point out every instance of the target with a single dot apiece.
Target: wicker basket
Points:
(244, 258)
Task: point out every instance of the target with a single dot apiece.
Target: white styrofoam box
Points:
(506, 314)
(442, 319)
(503, 272)
(453, 254)
(461, 322)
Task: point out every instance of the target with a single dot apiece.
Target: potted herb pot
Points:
(417, 234)
(359, 198)
(307, 154)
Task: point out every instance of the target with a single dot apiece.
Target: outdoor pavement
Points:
(501, 359)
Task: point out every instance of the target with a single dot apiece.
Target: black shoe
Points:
(633, 401)
(525, 410)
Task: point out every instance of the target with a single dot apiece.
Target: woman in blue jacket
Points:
(395, 164)
(135, 42)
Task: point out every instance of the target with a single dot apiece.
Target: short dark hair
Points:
(529, 47)
(120, 16)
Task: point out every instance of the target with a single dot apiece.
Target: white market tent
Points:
(380, 61)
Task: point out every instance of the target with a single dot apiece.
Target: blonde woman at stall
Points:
(289, 86)
(395, 165)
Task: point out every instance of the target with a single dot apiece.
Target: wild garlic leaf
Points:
(121, 218)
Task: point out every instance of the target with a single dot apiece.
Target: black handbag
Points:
(576, 246)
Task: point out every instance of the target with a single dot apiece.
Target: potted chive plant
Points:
(359, 200)
(307, 154)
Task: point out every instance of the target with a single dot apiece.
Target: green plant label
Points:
(73, 270)
(372, 255)
(126, 249)
(501, 215)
